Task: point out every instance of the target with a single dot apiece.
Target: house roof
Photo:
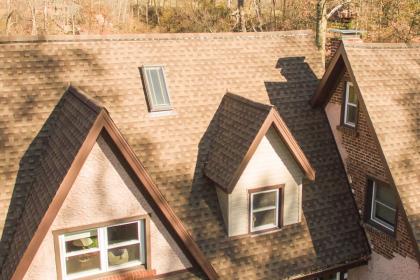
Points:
(278, 68)
(240, 124)
(388, 79)
(62, 156)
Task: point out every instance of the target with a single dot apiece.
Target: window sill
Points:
(377, 228)
(349, 130)
(159, 114)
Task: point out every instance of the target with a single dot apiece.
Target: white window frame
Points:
(153, 107)
(103, 247)
(347, 103)
(276, 208)
(373, 210)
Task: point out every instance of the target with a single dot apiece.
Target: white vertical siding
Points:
(271, 164)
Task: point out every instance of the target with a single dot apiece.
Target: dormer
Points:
(257, 167)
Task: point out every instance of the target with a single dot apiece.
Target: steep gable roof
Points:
(240, 126)
(278, 68)
(388, 79)
(73, 129)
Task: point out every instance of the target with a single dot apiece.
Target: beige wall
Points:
(103, 191)
(381, 268)
(271, 164)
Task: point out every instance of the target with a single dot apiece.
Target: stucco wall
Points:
(381, 268)
(333, 111)
(271, 164)
(103, 191)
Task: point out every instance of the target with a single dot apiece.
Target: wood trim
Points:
(329, 79)
(280, 188)
(101, 224)
(273, 118)
(104, 121)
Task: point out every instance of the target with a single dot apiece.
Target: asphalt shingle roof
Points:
(278, 68)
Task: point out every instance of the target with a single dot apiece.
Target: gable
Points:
(102, 192)
(386, 78)
(271, 164)
(239, 126)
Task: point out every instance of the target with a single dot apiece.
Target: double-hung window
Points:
(156, 89)
(350, 105)
(264, 209)
(102, 249)
(383, 205)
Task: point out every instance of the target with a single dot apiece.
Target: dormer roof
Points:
(240, 124)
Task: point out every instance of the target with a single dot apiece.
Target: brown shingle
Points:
(237, 123)
(281, 68)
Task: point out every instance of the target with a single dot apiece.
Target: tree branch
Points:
(336, 8)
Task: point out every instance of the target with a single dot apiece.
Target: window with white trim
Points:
(350, 105)
(156, 89)
(102, 249)
(264, 210)
(383, 208)
(335, 276)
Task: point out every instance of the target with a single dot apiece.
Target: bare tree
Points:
(321, 27)
(31, 5)
(241, 12)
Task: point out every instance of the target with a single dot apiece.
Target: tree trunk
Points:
(257, 5)
(45, 17)
(321, 27)
(9, 17)
(33, 15)
(241, 11)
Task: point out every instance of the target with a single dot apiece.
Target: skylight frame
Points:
(150, 94)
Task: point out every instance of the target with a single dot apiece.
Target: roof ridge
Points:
(85, 98)
(151, 36)
(249, 102)
(363, 45)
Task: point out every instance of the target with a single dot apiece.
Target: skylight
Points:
(156, 89)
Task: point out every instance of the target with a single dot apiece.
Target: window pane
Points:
(156, 86)
(385, 195)
(123, 255)
(352, 97)
(81, 240)
(351, 114)
(260, 200)
(83, 262)
(163, 87)
(385, 214)
(264, 218)
(158, 93)
(122, 233)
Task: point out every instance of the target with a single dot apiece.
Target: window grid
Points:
(373, 211)
(267, 208)
(348, 104)
(103, 248)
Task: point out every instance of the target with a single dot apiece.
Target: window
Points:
(102, 249)
(334, 276)
(264, 210)
(382, 205)
(350, 105)
(156, 90)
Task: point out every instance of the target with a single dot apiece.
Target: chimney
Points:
(334, 38)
